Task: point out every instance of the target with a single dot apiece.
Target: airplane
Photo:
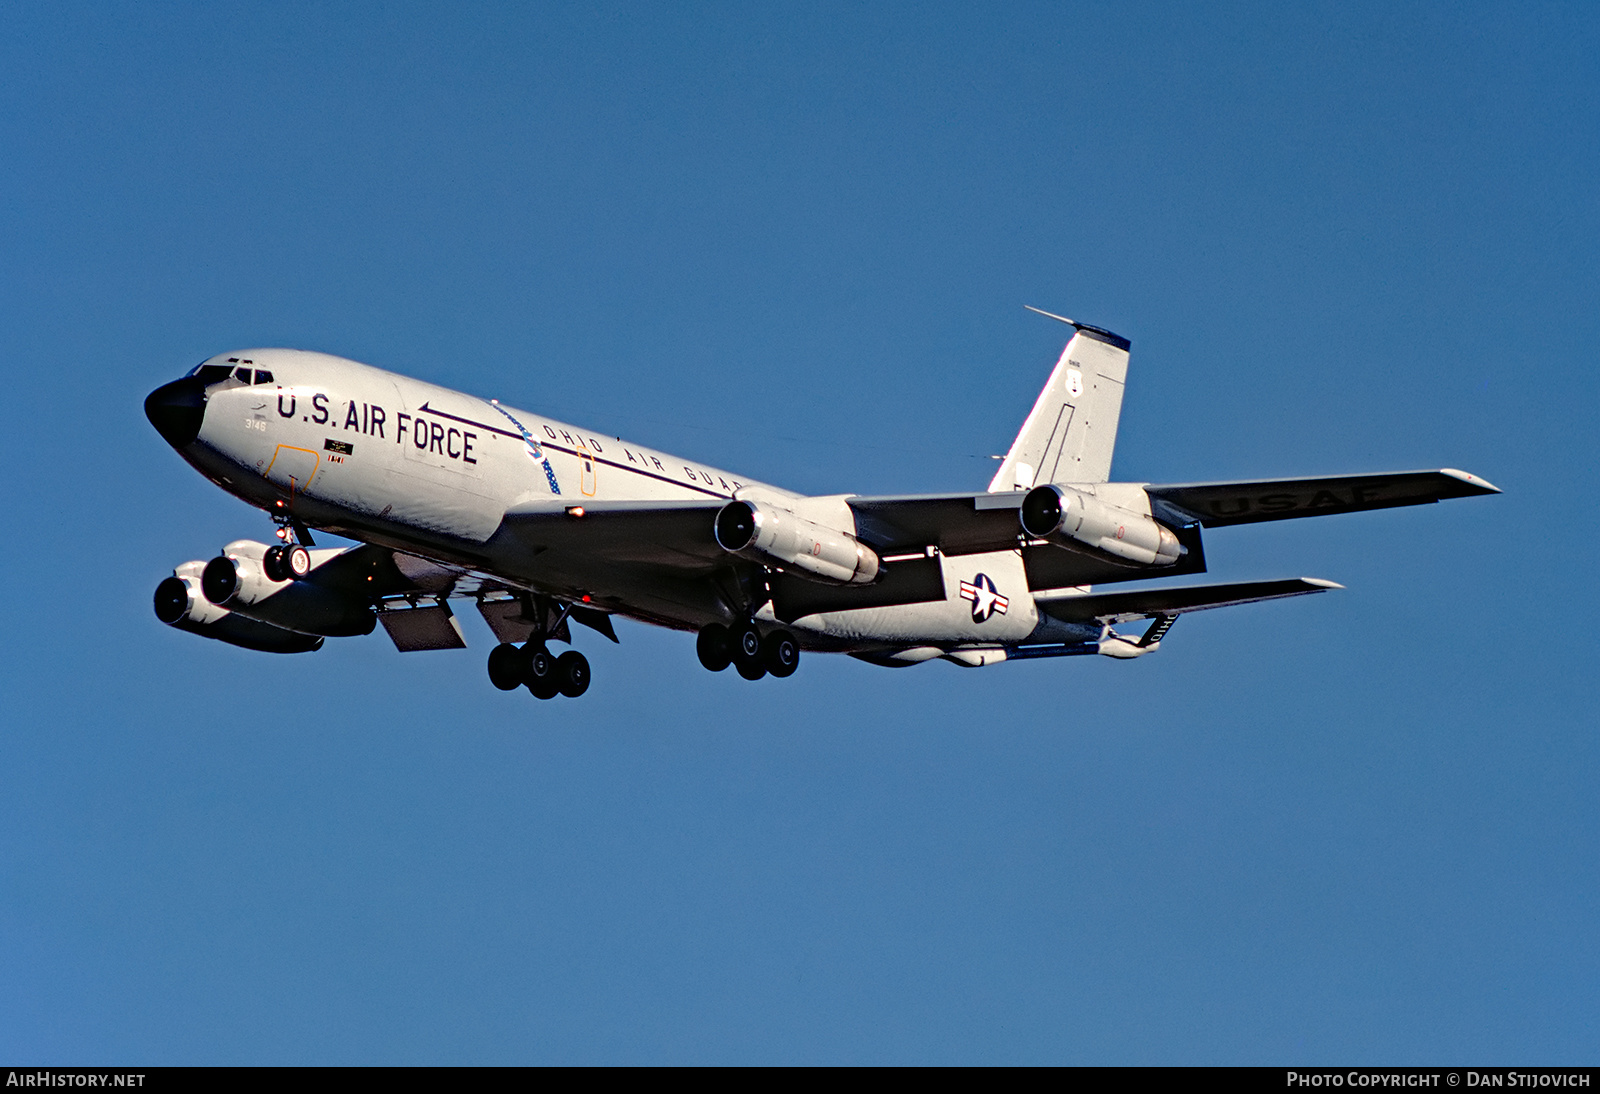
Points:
(541, 524)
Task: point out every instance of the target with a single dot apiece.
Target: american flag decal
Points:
(986, 599)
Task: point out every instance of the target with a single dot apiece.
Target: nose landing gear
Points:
(289, 560)
(286, 562)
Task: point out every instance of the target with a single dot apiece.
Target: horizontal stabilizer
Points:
(1218, 504)
(1151, 603)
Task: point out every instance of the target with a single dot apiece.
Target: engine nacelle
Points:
(180, 603)
(766, 533)
(1077, 520)
(237, 579)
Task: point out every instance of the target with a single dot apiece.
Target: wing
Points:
(1151, 603)
(960, 524)
(957, 524)
(1218, 504)
(652, 552)
(655, 560)
(673, 534)
(365, 571)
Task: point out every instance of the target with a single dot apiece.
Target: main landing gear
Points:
(532, 665)
(543, 673)
(744, 647)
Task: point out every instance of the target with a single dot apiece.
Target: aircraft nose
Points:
(177, 410)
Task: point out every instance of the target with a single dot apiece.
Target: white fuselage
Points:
(432, 472)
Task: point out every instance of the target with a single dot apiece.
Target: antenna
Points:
(1053, 315)
(1099, 333)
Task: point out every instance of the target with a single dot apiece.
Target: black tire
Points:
(780, 651)
(572, 674)
(546, 687)
(537, 664)
(506, 670)
(273, 565)
(751, 670)
(714, 647)
(296, 560)
(744, 641)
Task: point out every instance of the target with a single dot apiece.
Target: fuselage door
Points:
(293, 468)
(586, 481)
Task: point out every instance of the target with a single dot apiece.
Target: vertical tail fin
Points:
(1072, 430)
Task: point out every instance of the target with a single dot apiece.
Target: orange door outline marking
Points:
(316, 465)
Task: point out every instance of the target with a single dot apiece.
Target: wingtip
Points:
(1322, 583)
(1483, 486)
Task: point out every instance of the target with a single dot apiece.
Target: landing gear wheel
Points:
(506, 670)
(780, 652)
(297, 559)
(572, 674)
(538, 670)
(715, 647)
(744, 642)
(274, 566)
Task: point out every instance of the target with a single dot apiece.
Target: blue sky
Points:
(795, 241)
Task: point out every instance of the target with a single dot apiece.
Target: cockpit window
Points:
(211, 374)
(242, 374)
(263, 376)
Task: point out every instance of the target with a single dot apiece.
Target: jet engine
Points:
(1077, 521)
(766, 533)
(180, 603)
(237, 579)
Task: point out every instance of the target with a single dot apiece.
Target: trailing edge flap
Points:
(910, 581)
(963, 524)
(431, 627)
(957, 524)
(1052, 567)
(1216, 504)
(1150, 603)
(677, 534)
(595, 620)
